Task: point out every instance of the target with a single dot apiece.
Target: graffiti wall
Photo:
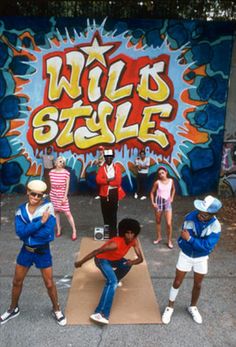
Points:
(76, 84)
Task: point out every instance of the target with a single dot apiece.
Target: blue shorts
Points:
(41, 261)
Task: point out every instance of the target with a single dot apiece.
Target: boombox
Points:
(101, 233)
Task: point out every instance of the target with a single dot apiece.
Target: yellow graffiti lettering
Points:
(162, 92)
(96, 130)
(94, 91)
(53, 68)
(157, 136)
(121, 132)
(112, 92)
(70, 115)
(45, 130)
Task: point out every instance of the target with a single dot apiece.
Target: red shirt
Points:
(101, 180)
(120, 252)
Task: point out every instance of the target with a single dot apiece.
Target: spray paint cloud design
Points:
(99, 88)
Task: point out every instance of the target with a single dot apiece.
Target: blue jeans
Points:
(112, 279)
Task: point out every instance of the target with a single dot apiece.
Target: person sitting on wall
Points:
(111, 256)
(109, 179)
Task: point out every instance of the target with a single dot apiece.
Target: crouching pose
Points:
(201, 232)
(111, 262)
(34, 223)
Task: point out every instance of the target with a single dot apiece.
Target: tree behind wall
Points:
(159, 9)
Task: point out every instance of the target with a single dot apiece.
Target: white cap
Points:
(37, 185)
(108, 153)
(209, 204)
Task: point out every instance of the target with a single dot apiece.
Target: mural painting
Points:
(227, 184)
(75, 84)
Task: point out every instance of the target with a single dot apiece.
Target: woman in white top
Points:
(162, 196)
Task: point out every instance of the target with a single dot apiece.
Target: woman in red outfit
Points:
(109, 179)
(111, 262)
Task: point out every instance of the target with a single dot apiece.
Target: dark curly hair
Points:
(127, 224)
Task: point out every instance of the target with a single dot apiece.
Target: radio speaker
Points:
(98, 233)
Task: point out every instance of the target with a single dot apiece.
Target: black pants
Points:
(109, 207)
(141, 184)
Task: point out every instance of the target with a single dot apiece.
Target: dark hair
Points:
(127, 224)
(162, 168)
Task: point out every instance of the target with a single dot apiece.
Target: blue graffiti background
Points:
(208, 44)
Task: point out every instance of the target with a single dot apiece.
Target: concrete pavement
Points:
(35, 326)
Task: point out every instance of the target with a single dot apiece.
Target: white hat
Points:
(209, 204)
(37, 185)
(108, 153)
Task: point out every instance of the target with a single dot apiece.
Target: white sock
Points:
(173, 293)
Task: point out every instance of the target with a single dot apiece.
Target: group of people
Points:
(35, 221)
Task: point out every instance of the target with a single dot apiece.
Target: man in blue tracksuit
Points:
(34, 224)
(200, 233)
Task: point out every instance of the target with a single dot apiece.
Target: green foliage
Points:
(159, 9)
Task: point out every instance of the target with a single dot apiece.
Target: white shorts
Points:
(186, 264)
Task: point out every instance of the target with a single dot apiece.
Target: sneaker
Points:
(97, 197)
(60, 318)
(193, 310)
(9, 314)
(136, 196)
(119, 284)
(97, 317)
(143, 197)
(166, 317)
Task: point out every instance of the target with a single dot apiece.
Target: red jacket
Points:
(103, 183)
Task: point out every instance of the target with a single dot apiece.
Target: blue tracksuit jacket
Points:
(204, 235)
(34, 232)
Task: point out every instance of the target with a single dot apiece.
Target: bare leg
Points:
(72, 223)
(198, 278)
(51, 287)
(158, 215)
(179, 277)
(168, 217)
(57, 215)
(20, 273)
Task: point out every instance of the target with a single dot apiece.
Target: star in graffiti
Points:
(96, 52)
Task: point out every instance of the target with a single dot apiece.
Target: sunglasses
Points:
(36, 195)
(205, 215)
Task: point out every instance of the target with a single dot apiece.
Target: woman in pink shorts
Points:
(59, 181)
(162, 196)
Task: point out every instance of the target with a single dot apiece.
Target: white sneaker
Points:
(136, 196)
(97, 197)
(60, 318)
(166, 317)
(143, 197)
(97, 317)
(119, 284)
(193, 310)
